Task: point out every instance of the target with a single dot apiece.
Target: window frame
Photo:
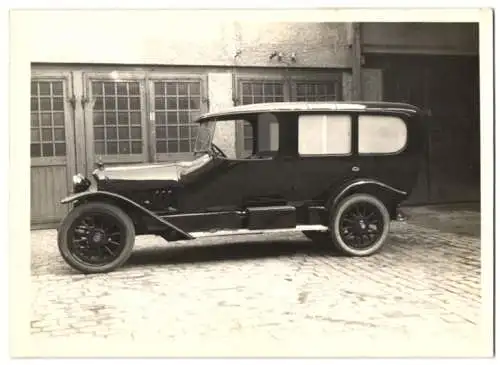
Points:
(69, 156)
(155, 76)
(114, 76)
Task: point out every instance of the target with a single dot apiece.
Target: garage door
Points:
(52, 146)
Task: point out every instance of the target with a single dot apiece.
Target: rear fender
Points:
(123, 201)
(389, 195)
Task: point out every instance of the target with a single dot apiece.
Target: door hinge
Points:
(207, 102)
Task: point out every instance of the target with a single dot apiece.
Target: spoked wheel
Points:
(96, 238)
(360, 225)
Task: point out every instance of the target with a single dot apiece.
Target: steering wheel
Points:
(218, 151)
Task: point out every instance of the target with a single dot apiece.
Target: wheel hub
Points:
(360, 226)
(97, 237)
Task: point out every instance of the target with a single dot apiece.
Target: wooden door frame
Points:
(152, 76)
(88, 105)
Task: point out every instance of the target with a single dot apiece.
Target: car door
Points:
(325, 156)
(264, 179)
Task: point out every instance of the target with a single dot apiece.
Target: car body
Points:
(337, 172)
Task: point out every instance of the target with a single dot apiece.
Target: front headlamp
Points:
(80, 183)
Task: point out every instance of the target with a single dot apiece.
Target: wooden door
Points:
(115, 118)
(52, 146)
(448, 86)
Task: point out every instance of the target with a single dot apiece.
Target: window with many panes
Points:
(48, 137)
(117, 116)
(317, 91)
(177, 103)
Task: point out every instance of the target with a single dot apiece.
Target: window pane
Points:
(316, 91)
(57, 104)
(109, 103)
(194, 88)
(35, 135)
(98, 133)
(160, 103)
(98, 118)
(122, 103)
(111, 133)
(59, 135)
(136, 133)
(184, 146)
(324, 134)
(112, 148)
(34, 120)
(381, 134)
(268, 138)
(45, 104)
(60, 149)
(44, 88)
(35, 150)
(99, 148)
(58, 118)
(136, 147)
(172, 147)
(34, 88)
(161, 133)
(135, 118)
(46, 119)
(121, 88)
(124, 148)
(47, 150)
(172, 132)
(135, 103)
(161, 147)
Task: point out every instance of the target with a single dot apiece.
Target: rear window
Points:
(324, 134)
(381, 134)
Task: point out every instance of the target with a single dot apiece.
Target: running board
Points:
(240, 232)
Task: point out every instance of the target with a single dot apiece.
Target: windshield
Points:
(204, 137)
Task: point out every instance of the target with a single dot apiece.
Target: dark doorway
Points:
(449, 87)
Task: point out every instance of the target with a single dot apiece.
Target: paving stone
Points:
(425, 282)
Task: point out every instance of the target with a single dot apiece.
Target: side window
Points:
(381, 134)
(267, 136)
(324, 134)
(268, 139)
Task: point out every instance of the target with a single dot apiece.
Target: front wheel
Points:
(359, 225)
(96, 238)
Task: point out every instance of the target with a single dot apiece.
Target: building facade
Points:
(106, 87)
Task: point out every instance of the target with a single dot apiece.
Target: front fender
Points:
(95, 195)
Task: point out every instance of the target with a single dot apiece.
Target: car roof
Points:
(301, 106)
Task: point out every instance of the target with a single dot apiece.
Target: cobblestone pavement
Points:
(424, 287)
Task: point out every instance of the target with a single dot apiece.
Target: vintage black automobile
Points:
(335, 171)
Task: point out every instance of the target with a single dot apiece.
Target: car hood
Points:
(167, 171)
(156, 171)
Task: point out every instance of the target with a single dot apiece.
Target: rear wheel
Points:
(359, 225)
(96, 238)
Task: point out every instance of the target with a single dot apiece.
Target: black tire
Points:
(376, 214)
(107, 216)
